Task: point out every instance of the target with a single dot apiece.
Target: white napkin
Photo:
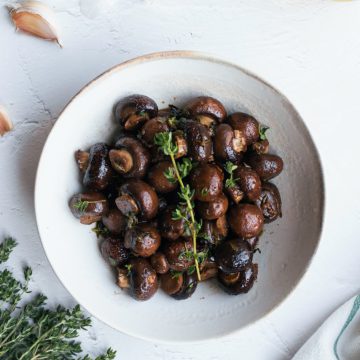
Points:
(338, 338)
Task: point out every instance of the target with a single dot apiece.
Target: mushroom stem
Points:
(82, 159)
(126, 204)
(205, 120)
(181, 144)
(121, 160)
(123, 280)
(239, 141)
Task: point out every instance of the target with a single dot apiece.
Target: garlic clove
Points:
(5, 122)
(35, 18)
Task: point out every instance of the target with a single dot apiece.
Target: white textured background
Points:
(308, 49)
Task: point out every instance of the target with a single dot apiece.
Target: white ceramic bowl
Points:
(287, 245)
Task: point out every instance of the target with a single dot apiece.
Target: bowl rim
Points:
(194, 55)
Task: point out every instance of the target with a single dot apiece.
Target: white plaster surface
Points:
(309, 50)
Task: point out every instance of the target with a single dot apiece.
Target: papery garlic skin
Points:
(5, 122)
(35, 18)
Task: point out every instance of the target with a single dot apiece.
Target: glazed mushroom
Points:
(233, 255)
(158, 180)
(239, 283)
(143, 240)
(248, 181)
(153, 127)
(247, 125)
(261, 146)
(98, 172)
(246, 220)
(171, 282)
(198, 140)
(159, 263)
(187, 288)
(130, 158)
(207, 181)
(142, 278)
(269, 202)
(138, 198)
(132, 111)
(114, 251)
(114, 221)
(206, 110)
(235, 193)
(229, 144)
(88, 207)
(82, 160)
(266, 165)
(177, 254)
(214, 209)
(169, 228)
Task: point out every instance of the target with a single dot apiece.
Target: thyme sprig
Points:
(30, 331)
(262, 131)
(230, 168)
(181, 169)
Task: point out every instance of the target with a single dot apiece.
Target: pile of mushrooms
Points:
(132, 200)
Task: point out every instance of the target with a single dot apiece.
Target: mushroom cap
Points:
(175, 253)
(113, 250)
(144, 196)
(187, 288)
(158, 180)
(266, 165)
(171, 283)
(159, 263)
(233, 255)
(99, 171)
(169, 228)
(269, 201)
(143, 279)
(246, 220)
(247, 124)
(115, 221)
(225, 145)
(140, 157)
(134, 110)
(249, 182)
(207, 181)
(206, 105)
(142, 239)
(153, 127)
(213, 209)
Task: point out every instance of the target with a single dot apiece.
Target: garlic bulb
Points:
(5, 122)
(35, 18)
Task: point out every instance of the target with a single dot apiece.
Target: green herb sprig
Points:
(230, 168)
(262, 131)
(181, 169)
(31, 331)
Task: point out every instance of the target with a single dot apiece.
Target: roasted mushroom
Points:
(132, 111)
(143, 279)
(169, 228)
(153, 127)
(246, 220)
(214, 209)
(266, 165)
(98, 172)
(171, 282)
(239, 283)
(158, 179)
(235, 193)
(113, 250)
(88, 207)
(233, 255)
(179, 254)
(139, 198)
(261, 146)
(249, 182)
(213, 232)
(143, 240)
(159, 263)
(247, 125)
(188, 287)
(206, 110)
(115, 221)
(198, 140)
(269, 202)
(229, 144)
(207, 181)
(130, 158)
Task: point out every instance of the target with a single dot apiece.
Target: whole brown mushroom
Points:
(169, 228)
(159, 263)
(248, 181)
(246, 220)
(130, 158)
(207, 181)
(142, 278)
(143, 240)
(139, 198)
(269, 201)
(176, 253)
(88, 207)
(98, 172)
(114, 221)
(215, 231)
(266, 165)
(153, 127)
(132, 111)
(247, 125)
(113, 250)
(158, 180)
(207, 110)
(214, 209)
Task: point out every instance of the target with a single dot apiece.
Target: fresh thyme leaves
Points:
(132, 220)
(81, 205)
(100, 229)
(262, 131)
(175, 274)
(128, 268)
(229, 168)
(191, 269)
(181, 168)
(31, 331)
(170, 175)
